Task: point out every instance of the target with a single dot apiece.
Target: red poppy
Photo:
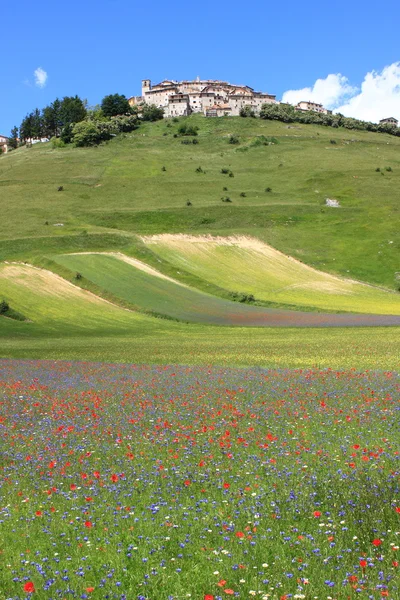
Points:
(229, 591)
(239, 534)
(29, 587)
(363, 563)
(72, 487)
(317, 513)
(221, 583)
(38, 513)
(187, 482)
(377, 542)
(114, 478)
(88, 524)
(227, 486)
(208, 597)
(88, 498)
(397, 509)
(96, 474)
(90, 589)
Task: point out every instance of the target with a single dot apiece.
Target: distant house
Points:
(3, 143)
(389, 121)
(304, 106)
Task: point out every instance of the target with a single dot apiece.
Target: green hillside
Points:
(121, 186)
(273, 189)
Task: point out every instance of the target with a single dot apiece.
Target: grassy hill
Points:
(117, 195)
(121, 187)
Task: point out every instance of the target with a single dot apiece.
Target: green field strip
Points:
(51, 303)
(250, 266)
(157, 295)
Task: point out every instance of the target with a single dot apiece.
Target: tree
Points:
(72, 110)
(37, 124)
(13, 139)
(52, 119)
(26, 128)
(151, 112)
(115, 104)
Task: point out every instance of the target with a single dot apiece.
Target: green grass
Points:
(248, 266)
(120, 186)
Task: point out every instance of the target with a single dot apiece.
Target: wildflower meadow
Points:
(137, 482)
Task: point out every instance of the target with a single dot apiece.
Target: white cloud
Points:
(40, 77)
(330, 91)
(378, 98)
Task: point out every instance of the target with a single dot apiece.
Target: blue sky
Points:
(97, 47)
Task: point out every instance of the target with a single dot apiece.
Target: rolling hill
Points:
(270, 187)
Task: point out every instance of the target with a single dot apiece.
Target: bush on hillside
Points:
(91, 133)
(186, 129)
(242, 297)
(124, 123)
(234, 139)
(247, 111)
(286, 113)
(4, 307)
(151, 112)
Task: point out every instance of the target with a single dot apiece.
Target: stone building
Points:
(212, 98)
(389, 121)
(3, 143)
(303, 105)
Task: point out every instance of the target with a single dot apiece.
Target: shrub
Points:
(195, 141)
(231, 174)
(234, 139)
(78, 275)
(389, 169)
(262, 140)
(226, 199)
(247, 111)
(60, 188)
(57, 143)
(225, 171)
(268, 189)
(186, 129)
(163, 168)
(4, 307)
(91, 133)
(377, 170)
(224, 189)
(188, 203)
(199, 170)
(151, 112)
(124, 123)
(333, 141)
(242, 297)
(243, 194)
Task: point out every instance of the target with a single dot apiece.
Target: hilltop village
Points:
(213, 98)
